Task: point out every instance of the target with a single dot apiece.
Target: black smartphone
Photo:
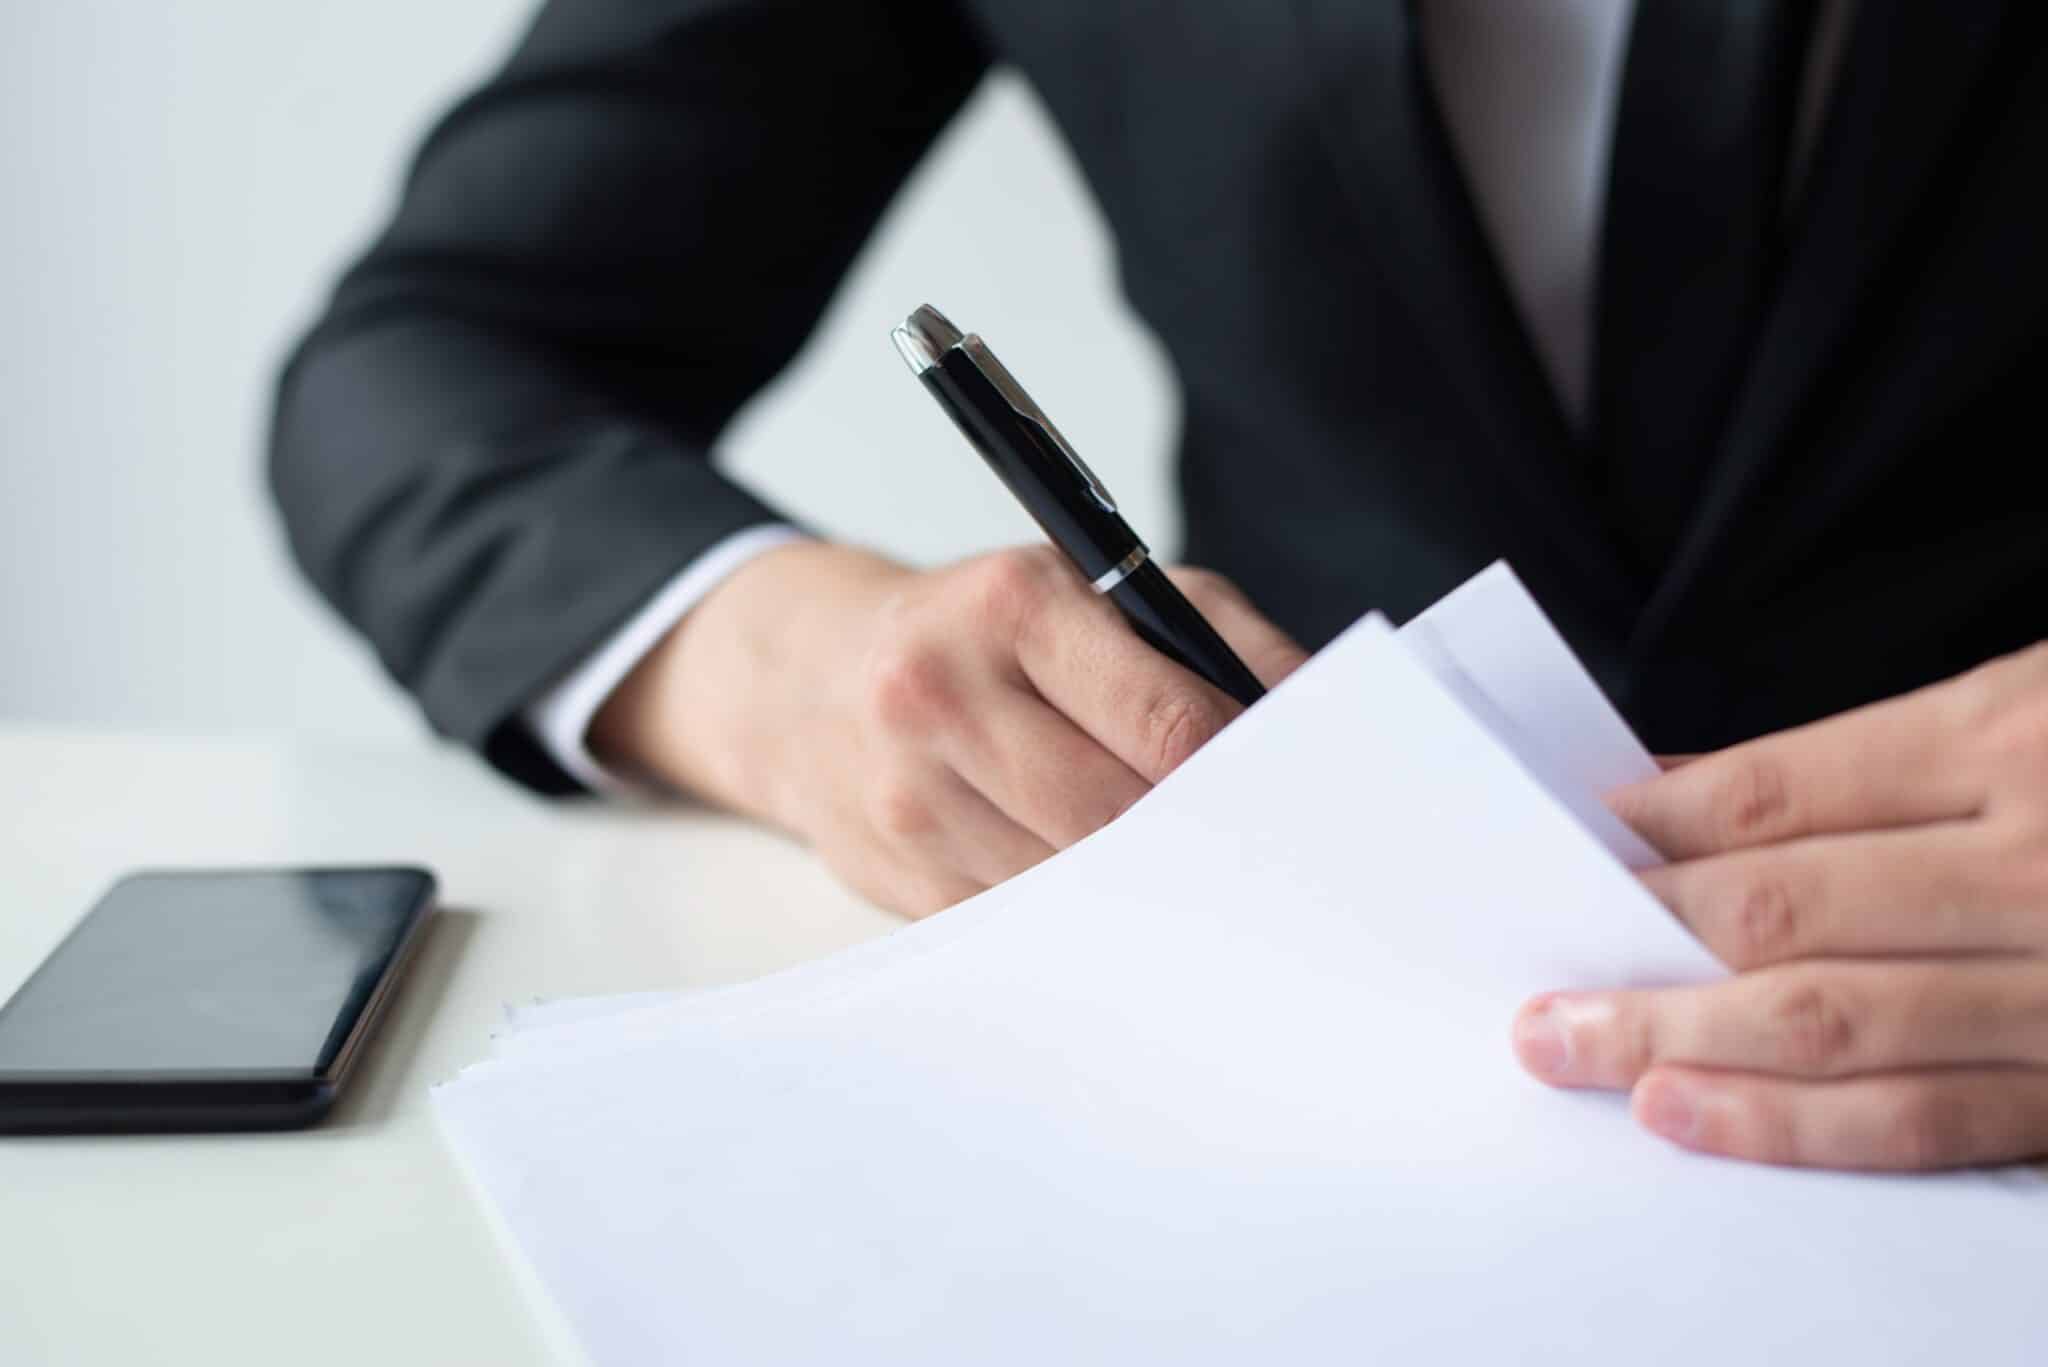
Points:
(208, 1000)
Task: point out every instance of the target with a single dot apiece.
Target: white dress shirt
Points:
(1528, 90)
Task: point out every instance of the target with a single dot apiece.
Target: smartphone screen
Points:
(213, 976)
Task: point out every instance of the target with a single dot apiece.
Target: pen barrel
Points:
(1169, 623)
(1070, 505)
(1030, 462)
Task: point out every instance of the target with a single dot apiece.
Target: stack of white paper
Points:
(1229, 1082)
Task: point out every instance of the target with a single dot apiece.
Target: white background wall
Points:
(181, 183)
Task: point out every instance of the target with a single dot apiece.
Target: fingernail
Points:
(1668, 1107)
(1541, 1039)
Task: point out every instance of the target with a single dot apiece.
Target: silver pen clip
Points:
(927, 335)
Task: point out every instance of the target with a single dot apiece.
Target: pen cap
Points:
(1031, 458)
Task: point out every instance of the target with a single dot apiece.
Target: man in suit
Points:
(1723, 321)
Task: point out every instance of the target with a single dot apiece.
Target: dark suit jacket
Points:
(492, 448)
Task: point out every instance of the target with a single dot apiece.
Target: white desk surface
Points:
(356, 1242)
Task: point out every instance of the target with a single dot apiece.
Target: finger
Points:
(1927, 890)
(977, 840)
(927, 815)
(1901, 1122)
(1878, 766)
(912, 889)
(1267, 651)
(1141, 707)
(921, 891)
(1040, 770)
(1828, 1019)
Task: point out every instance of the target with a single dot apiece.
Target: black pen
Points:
(1063, 495)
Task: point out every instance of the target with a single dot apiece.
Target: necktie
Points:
(1702, 141)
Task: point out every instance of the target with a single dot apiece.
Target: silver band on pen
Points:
(1122, 570)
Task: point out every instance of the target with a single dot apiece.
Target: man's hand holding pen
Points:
(930, 733)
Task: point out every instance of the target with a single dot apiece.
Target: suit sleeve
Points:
(493, 446)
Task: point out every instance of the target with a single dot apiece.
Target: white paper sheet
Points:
(1490, 645)
(533, 1018)
(1490, 630)
(1227, 1082)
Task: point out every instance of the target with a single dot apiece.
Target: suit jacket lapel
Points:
(1900, 94)
(1415, 212)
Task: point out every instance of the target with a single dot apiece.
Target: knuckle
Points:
(1752, 803)
(1764, 925)
(1812, 1029)
(1008, 587)
(910, 689)
(900, 811)
(1176, 725)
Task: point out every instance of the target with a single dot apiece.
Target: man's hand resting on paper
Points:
(930, 733)
(1879, 882)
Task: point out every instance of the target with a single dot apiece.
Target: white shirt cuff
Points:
(560, 718)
